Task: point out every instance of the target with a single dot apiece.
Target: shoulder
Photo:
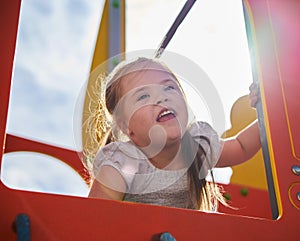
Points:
(207, 137)
(118, 151)
(201, 128)
(125, 157)
(122, 149)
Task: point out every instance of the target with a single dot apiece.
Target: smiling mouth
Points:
(165, 115)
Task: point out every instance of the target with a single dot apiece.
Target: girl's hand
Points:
(254, 94)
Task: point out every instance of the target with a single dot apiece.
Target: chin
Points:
(175, 132)
(174, 137)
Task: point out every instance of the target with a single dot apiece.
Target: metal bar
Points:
(182, 14)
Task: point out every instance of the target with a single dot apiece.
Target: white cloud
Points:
(53, 41)
(38, 172)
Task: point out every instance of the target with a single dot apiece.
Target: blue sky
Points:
(54, 49)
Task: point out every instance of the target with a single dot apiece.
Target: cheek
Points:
(131, 112)
(139, 128)
(183, 112)
(139, 121)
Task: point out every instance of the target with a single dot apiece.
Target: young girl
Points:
(163, 159)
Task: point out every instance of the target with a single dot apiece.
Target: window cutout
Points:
(42, 173)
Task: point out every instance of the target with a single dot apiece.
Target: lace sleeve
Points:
(112, 155)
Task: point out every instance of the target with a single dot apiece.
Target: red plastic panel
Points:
(287, 35)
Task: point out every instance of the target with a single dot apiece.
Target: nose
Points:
(161, 100)
(159, 95)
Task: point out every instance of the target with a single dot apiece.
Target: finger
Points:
(254, 87)
(253, 101)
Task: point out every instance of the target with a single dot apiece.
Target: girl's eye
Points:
(142, 97)
(170, 87)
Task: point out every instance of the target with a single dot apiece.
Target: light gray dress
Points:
(147, 184)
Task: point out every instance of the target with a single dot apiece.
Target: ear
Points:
(123, 126)
(125, 129)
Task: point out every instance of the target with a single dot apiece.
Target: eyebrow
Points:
(168, 80)
(139, 90)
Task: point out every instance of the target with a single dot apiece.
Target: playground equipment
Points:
(273, 35)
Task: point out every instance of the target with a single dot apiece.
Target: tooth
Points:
(165, 113)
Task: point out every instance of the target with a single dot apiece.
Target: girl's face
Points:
(153, 111)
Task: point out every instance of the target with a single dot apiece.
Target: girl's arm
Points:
(108, 184)
(240, 148)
